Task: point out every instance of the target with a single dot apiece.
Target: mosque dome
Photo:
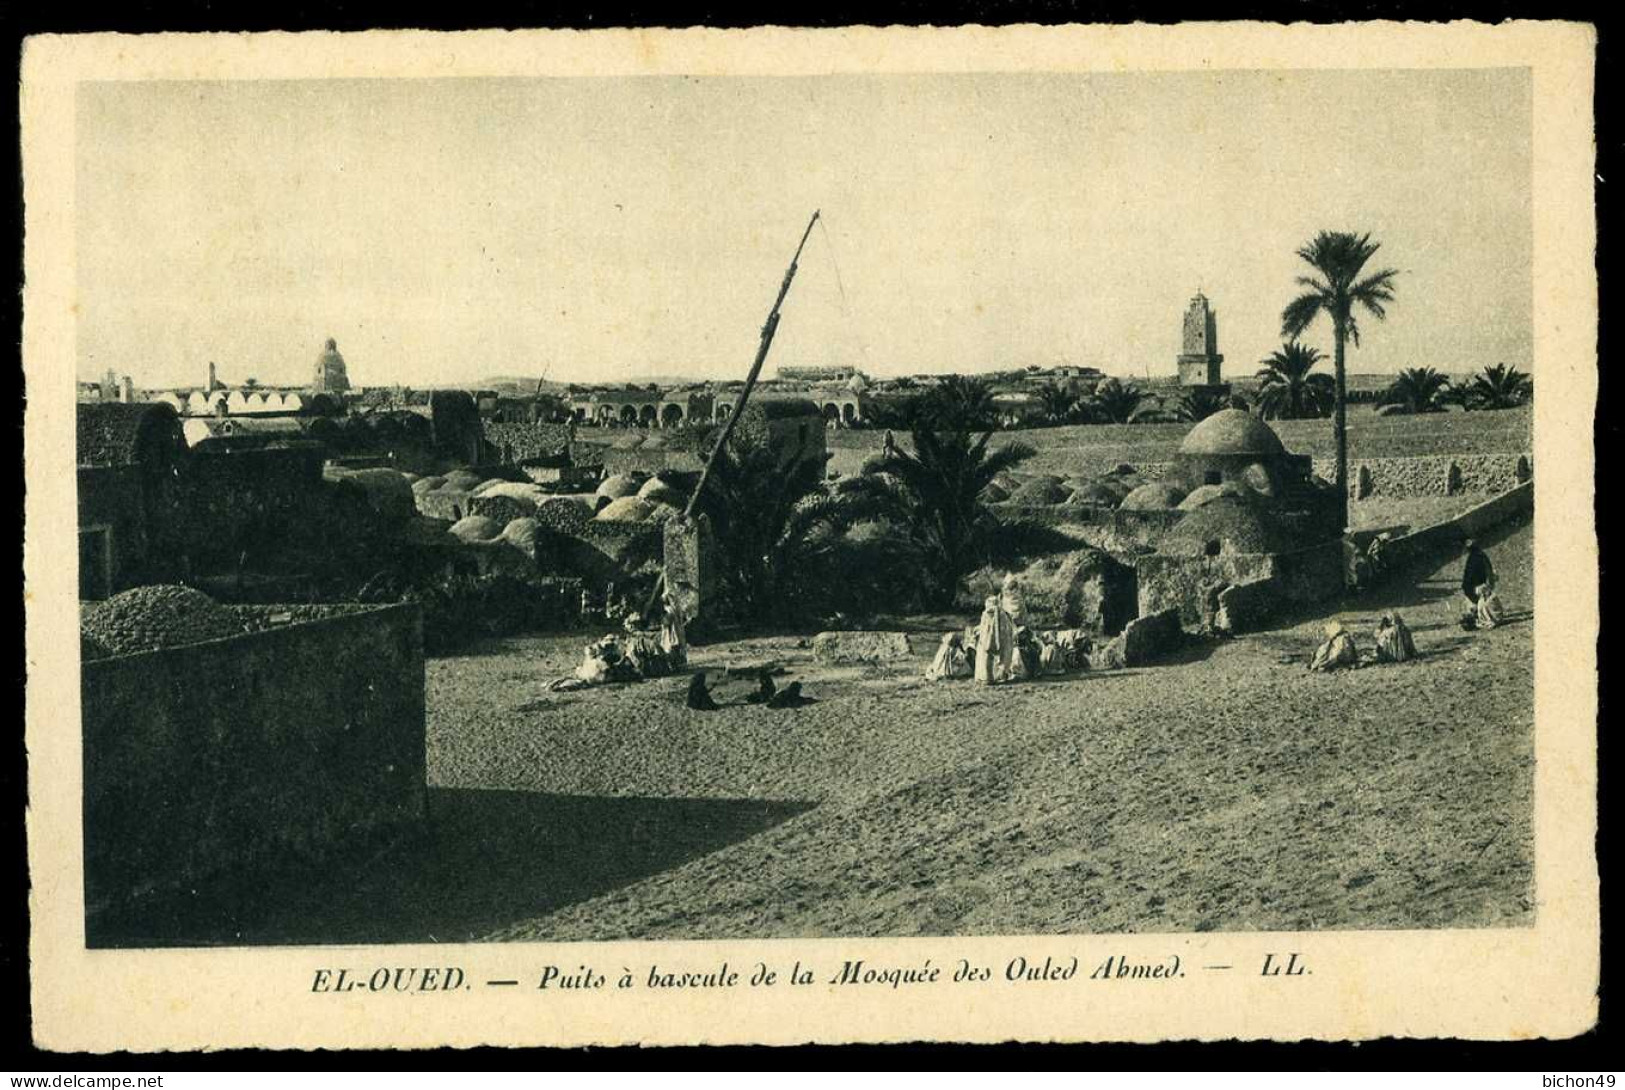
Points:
(331, 376)
(1232, 431)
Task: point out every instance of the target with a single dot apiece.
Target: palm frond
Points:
(1299, 314)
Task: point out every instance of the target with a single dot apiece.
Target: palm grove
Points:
(903, 533)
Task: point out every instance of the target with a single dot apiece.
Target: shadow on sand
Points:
(485, 859)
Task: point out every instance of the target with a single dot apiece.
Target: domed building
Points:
(1253, 516)
(1234, 446)
(331, 377)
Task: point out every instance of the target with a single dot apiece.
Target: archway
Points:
(832, 413)
(849, 413)
(671, 416)
(648, 416)
(629, 415)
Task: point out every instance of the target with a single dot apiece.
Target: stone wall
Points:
(1180, 583)
(240, 754)
(1432, 475)
(1246, 606)
(518, 442)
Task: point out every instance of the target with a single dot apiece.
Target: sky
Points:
(607, 230)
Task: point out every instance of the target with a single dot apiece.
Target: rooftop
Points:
(1232, 431)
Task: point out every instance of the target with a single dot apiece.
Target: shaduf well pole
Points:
(768, 329)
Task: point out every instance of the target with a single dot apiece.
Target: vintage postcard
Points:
(777, 536)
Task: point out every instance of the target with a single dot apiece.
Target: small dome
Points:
(1207, 493)
(1095, 494)
(1236, 525)
(1040, 492)
(476, 528)
(1231, 431)
(621, 485)
(1156, 496)
(462, 480)
(626, 509)
(656, 490)
(521, 533)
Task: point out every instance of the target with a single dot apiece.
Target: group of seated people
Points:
(1004, 647)
(638, 652)
(1392, 638)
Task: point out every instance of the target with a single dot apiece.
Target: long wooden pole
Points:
(768, 330)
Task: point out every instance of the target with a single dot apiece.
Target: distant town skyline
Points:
(605, 231)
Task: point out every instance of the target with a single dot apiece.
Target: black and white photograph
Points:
(865, 505)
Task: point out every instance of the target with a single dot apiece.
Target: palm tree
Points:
(1419, 389)
(1116, 401)
(960, 403)
(1060, 405)
(1339, 258)
(1286, 388)
(934, 495)
(1498, 387)
(772, 516)
(1198, 404)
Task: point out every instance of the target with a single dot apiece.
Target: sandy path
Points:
(1227, 792)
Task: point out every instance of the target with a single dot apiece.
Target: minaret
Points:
(1199, 359)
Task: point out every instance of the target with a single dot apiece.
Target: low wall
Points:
(1449, 535)
(649, 461)
(236, 755)
(1432, 475)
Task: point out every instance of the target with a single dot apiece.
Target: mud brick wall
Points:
(1179, 582)
(1432, 475)
(220, 496)
(1313, 574)
(690, 556)
(239, 754)
(517, 442)
(1143, 527)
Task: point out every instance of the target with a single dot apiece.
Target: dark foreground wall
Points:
(238, 754)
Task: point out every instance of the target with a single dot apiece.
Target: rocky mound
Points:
(150, 618)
